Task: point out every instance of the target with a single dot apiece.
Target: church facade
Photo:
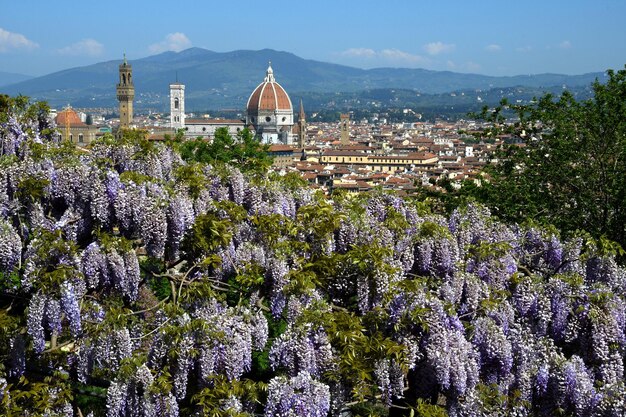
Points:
(269, 114)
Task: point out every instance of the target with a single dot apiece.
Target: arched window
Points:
(123, 79)
(176, 103)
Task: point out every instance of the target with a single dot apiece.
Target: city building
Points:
(72, 128)
(269, 111)
(206, 127)
(177, 105)
(125, 94)
(301, 127)
(345, 128)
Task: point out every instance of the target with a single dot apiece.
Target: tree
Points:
(243, 151)
(136, 284)
(571, 169)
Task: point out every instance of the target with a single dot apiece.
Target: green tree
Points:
(571, 169)
(243, 151)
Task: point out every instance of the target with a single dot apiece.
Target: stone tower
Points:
(177, 105)
(301, 127)
(345, 129)
(126, 94)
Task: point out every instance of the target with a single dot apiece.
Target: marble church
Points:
(269, 113)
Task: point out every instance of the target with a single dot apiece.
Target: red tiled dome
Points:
(269, 95)
(68, 115)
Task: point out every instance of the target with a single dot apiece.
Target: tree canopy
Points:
(570, 170)
(135, 282)
(243, 151)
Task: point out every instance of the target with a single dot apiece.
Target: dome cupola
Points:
(269, 111)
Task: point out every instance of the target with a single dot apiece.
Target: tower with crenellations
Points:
(125, 94)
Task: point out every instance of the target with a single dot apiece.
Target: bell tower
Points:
(177, 105)
(345, 129)
(126, 94)
(301, 126)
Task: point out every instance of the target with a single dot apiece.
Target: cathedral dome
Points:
(269, 96)
(68, 116)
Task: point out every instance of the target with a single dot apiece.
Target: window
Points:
(268, 119)
(284, 119)
(71, 138)
(81, 139)
(204, 129)
(176, 103)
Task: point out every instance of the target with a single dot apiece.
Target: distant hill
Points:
(7, 78)
(217, 80)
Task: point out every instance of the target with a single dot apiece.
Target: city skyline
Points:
(571, 37)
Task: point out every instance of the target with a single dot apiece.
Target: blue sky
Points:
(488, 37)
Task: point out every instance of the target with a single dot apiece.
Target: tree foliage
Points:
(570, 170)
(243, 151)
(136, 283)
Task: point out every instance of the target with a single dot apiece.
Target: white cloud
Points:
(398, 55)
(565, 45)
(493, 48)
(436, 48)
(173, 42)
(10, 40)
(472, 66)
(526, 48)
(467, 66)
(389, 54)
(359, 52)
(85, 47)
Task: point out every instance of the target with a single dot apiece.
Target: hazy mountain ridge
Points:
(8, 78)
(226, 79)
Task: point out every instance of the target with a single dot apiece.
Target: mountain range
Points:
(217, 80)
(8, 78)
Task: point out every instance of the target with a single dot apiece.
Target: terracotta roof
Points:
(280, 148)
(269, 95)
(68, 115)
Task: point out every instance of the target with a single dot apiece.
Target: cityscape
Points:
(352, 155)
(338, 209)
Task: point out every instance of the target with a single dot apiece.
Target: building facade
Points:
(72, 128)
(206, 128)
